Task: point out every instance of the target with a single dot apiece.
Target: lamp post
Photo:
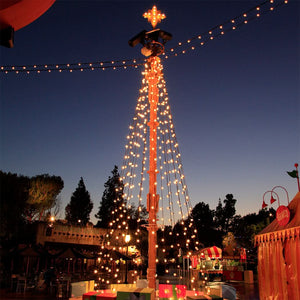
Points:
(127, 240)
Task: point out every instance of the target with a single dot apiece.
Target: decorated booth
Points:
(206, 264)
(278, 254)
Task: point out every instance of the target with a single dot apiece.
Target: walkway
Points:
(244, 291)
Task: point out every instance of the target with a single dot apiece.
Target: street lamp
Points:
(127, 240)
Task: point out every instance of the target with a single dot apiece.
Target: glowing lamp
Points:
(127, 238)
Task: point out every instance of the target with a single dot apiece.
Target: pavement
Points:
(6, 294)
(244, 291)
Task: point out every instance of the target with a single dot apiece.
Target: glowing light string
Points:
(175, 198)
(134, 63)
(181, 48)
(171, 184)
(220, 30)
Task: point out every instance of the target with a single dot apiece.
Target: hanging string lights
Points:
(221, 29)
(181, 48)
(174, 202)
(71, 67)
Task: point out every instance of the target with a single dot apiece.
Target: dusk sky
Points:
(235, 101)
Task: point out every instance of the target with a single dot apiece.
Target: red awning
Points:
(211, 252)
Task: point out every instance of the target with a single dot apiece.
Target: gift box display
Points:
(86, 296)
(167, 291)
(79, 288)
(135, 294)
(116, 287)
(100, 295)
(200, 297)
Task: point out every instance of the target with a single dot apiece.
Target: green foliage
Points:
(42, 194)
(80, 206)
(230, 245)
(112, 199)
(23, 199)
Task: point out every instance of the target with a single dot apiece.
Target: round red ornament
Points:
(282, 215)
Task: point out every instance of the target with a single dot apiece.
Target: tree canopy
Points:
(112, 199)
(42, 194)
(205, 224)
(80, 206)
(224, 215)
(24, 199)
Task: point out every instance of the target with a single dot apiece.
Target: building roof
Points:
(294, 208)
(275, 232)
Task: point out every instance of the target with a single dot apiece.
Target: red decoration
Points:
(243, 255)
(100, 295)
(264, 204)
(282, 215)
(19, 13)
(194, 260)
(172, 291)
(272, 200)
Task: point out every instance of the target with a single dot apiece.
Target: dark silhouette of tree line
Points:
(27, 199)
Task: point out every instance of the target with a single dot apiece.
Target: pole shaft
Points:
(152, 197)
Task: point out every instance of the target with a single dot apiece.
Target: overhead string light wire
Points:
(230, 25)
(181, 48)
(71, 67)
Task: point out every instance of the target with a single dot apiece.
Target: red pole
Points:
(296, 166)
(152, 77)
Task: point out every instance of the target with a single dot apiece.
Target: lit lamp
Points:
(52, 219)
(50, 226)
(127, 240)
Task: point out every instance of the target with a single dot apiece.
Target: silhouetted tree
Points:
(80, 206)
(138, 216)
(13, 197)
(246, 227)
(224, 215)
(203, 218)
(112, 199)
(25, 199)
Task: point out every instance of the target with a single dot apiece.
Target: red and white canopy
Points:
(211, 252)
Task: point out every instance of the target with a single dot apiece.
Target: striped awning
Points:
(211, 252)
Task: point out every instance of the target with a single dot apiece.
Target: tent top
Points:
(211, 252)
(275, 232)
(294, 208)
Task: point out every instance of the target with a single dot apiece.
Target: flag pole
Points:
(296, 166)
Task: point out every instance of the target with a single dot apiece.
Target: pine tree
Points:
(112, 199)
(79, 209)
(224, 215)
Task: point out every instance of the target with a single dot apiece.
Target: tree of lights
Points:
(153, 76)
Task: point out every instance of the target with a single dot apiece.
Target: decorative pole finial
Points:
(154, 16)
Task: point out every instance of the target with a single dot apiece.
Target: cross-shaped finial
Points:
(154, 16)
